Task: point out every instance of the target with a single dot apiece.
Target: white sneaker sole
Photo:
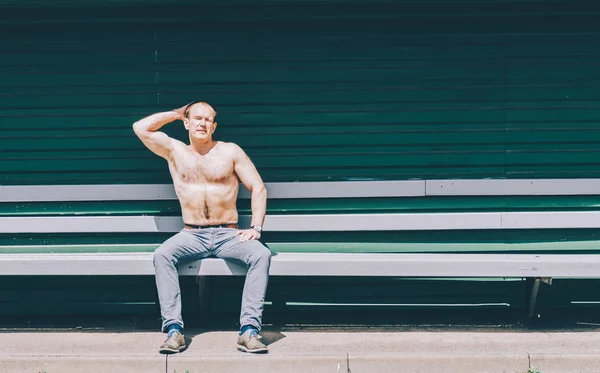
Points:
(255, 351)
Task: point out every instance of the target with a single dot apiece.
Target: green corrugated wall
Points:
(312, 90)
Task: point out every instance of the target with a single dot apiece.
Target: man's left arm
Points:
(249, 176)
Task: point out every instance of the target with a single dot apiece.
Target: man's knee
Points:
(260, 254)
(164, 255)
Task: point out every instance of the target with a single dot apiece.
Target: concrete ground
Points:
(305, 351)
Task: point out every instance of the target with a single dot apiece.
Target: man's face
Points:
(200, 122)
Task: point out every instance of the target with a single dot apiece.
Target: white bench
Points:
(538, 267)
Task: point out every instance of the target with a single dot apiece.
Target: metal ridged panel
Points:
(387, 90)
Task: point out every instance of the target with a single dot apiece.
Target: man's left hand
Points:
(248, 234)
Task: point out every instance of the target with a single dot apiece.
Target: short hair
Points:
(189, 106)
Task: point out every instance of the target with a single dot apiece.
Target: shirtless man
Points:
(206, 176)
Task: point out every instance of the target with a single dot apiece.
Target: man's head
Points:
(200, 120)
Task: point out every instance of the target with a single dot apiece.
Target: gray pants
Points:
(193, 244)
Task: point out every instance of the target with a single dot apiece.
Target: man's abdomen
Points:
(208, 204)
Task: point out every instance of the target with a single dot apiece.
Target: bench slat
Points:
(152, 192)
(314, 223)
(333, 189)
(276, 223)
(318, 264)
(512, 187)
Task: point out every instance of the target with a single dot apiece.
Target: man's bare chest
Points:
(191, 167)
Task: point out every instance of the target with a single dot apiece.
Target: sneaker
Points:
(250, 342)
(175, 343)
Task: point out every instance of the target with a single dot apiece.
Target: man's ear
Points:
(186, 123)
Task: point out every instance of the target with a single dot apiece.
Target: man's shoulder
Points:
(232, 151)
(230, 147)
(178, 146)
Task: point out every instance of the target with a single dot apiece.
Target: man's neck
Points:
(202, 147)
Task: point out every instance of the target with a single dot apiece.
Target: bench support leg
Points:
(203, 298)
(535, 288)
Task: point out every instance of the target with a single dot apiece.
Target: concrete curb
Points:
(265, 364)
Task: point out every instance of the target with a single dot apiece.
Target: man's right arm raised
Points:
(147, 130)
